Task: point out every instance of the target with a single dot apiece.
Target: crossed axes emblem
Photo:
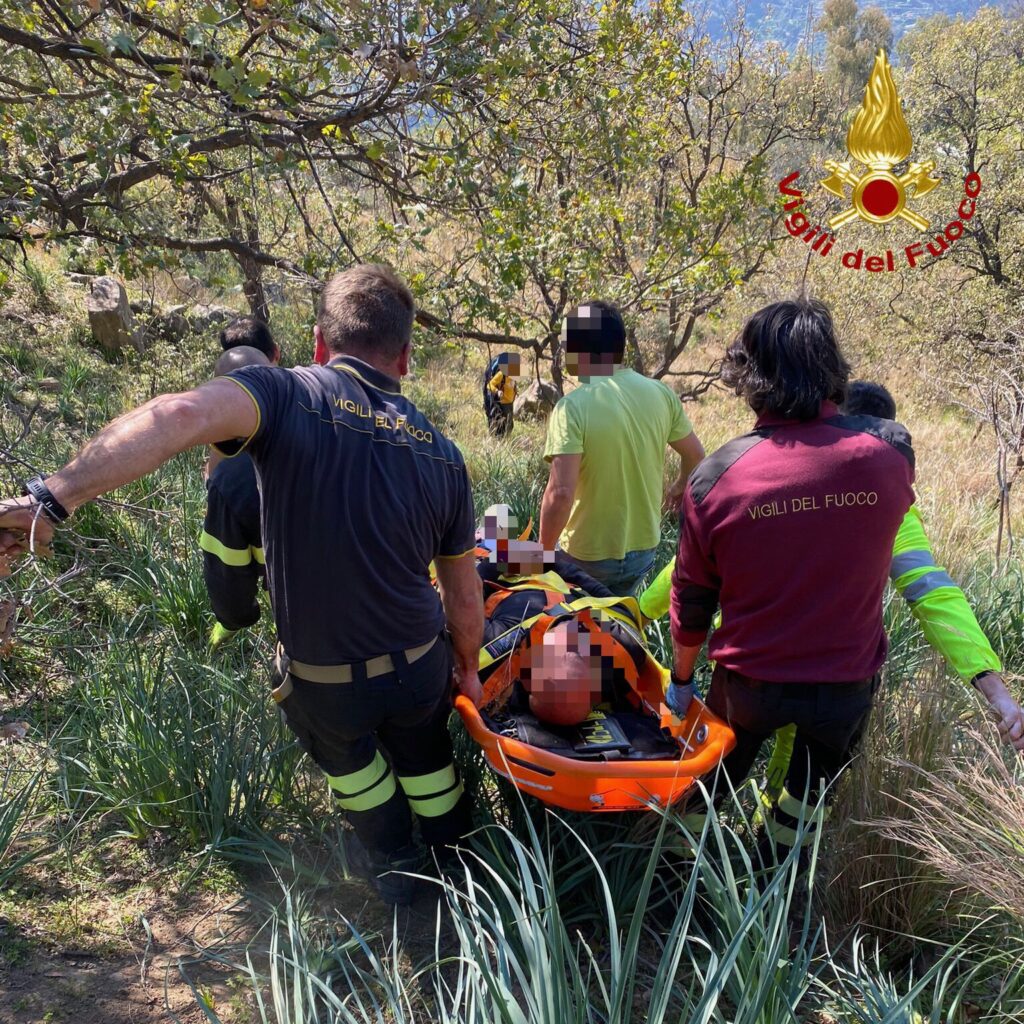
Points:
(880, 196)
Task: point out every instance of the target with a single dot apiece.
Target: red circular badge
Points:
(880, 197)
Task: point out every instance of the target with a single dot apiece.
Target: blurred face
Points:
(511, 367)
(524, 557)
(581, 321)
(587, 364)
(499, 523)
(562, 675)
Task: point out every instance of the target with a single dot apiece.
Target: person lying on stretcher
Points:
(556, 641)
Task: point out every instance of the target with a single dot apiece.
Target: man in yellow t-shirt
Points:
(606, 444)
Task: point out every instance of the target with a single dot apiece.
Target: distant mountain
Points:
(786, 23)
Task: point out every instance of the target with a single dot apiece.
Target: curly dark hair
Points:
(868, 398)
(787, 361)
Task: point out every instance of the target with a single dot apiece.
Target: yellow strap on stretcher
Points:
(605, 605)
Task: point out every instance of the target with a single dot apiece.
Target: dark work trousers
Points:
(344, 726)
(830, 720)
(499, 417)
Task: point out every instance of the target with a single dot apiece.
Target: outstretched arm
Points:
(132, 446)
(949, 623)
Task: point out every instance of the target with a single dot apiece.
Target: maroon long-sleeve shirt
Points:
(790, 530)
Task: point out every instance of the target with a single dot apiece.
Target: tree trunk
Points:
(556, 364)
(252, 272)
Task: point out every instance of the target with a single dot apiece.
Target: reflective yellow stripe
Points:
(257, 554)
(434, 806)
(365, 789)
(789, 803)
(379, 793)
(356, 782)
(427, 785)
(229, 556)
(783, 835)
(342, 368)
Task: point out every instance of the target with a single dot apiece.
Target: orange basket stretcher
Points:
(702, 739)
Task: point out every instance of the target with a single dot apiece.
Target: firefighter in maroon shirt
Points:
(789, 530)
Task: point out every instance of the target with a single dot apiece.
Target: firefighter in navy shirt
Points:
(359, 492)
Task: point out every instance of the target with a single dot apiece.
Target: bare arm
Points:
(691, 452)
(462, 597)
(1011, 717)
(558, 498)
(132, 446)
(684, 659)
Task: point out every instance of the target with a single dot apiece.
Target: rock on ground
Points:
(110, 316)
(537, 400)
(205, 317)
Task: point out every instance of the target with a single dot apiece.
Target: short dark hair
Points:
(787, 361)
(596, 327)
(237, 357)
(250, 331)
(869, 398)
(366, 309)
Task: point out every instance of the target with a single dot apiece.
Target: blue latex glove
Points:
(678, 697)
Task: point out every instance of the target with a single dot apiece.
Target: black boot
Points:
(389, 874)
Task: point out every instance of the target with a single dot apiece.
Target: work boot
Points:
(389, 874)
(445, 864)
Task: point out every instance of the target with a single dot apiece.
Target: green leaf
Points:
(123, 42)
(224, 79)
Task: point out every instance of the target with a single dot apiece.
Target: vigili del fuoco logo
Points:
(878, 141)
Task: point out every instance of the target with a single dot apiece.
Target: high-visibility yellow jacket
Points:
(503, 387)
(938, 604)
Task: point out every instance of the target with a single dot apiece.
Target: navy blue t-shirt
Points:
(359, 492)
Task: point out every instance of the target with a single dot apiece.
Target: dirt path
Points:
(133, 960)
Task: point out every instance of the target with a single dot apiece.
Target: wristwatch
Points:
(54, 510)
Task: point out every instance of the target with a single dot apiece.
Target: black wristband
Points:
(676, 681)
(54, 510)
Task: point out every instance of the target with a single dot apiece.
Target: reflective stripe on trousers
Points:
(365, 789)
(788, 815)
(433, 794)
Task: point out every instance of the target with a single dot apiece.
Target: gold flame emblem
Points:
(879, 138)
